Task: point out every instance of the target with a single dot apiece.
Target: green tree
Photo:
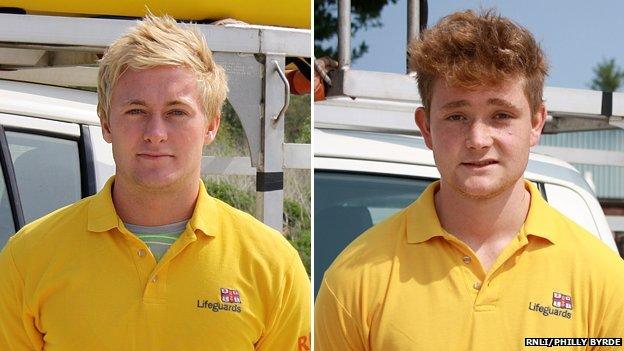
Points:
(608, 76)
(364, 14)
(231, 140)
(298, 116)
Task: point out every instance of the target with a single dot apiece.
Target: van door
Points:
(41, 170)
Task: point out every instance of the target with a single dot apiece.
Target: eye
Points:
(177, 113)
(135, 111)
(503, 116)
(455, 118)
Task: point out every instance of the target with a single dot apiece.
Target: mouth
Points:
(153, 155)
(479, 163)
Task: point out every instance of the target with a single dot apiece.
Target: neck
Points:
(487, 222)
(141, 206)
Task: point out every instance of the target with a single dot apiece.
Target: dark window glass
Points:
(47, 170)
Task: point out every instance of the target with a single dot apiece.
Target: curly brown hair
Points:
(472, 50)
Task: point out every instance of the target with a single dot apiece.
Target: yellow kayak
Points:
(285, 13)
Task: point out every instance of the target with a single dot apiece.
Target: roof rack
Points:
(569, 110)
(64, 51)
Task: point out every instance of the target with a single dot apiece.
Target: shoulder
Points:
(37, 242)
(252, 237)
(374, 244)
(365, 265)
(576, 238)
(57, 225)
(595, 267)
(583, 250)
(263, 256)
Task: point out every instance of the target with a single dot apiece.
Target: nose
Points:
(478, 136)
(155, 130)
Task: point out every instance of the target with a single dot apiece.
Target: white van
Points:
(369, 164)
(51, 150)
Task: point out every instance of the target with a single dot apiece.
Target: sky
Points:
(575, 34)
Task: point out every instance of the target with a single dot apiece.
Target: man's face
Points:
(158, 127)
(480, 137)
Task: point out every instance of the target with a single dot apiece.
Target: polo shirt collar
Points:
(102, 215)
(423, 222)
(206, 216)
(540, 220)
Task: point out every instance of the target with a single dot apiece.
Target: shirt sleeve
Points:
(610, 318)
(289, 325)
(334, 327)
(17, 327)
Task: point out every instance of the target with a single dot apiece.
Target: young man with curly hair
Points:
(152, 262)
(479, 261)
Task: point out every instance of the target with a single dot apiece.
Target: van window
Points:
(571, 204)
(47, 170)
(7, 226)
(346, 204)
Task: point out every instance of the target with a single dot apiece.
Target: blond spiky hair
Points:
(160, 41)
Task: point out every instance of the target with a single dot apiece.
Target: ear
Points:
(106, 132)
(210, 132)
(537, 124)
(423, 124)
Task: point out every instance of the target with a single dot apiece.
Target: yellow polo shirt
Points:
(406, 284)
(77, 279)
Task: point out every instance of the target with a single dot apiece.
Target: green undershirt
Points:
(158, 238)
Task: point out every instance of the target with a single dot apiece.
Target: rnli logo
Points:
(230, 301)
(561, 306)
(562, 301)
(230, 296)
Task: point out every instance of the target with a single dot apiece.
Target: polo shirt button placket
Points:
(477, 285)
(467, 259)
(141, 253)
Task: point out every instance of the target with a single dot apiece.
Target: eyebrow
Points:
(178, 102)
(135, 102)
(493, 101)
(142, 103)
(455, 104)
(502, 103)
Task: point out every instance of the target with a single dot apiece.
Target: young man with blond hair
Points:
(479, 261)
(152, 262)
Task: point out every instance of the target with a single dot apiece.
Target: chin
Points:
(156, 181)
(482, 189)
